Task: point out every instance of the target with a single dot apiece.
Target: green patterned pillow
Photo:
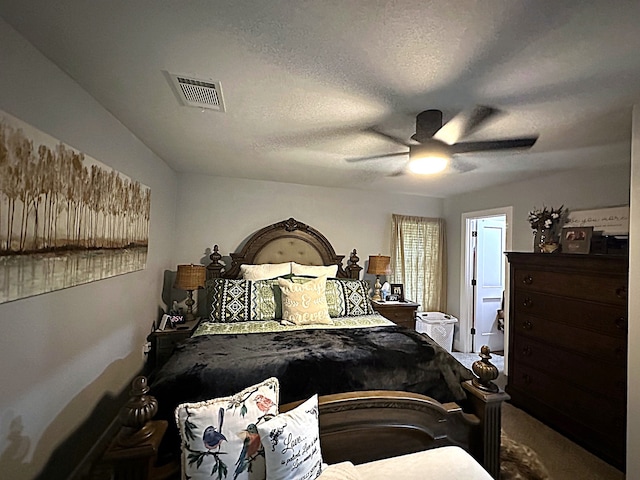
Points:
(345, 297)
(243, 300)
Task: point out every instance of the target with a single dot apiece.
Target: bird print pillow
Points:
(220, 437)
(292, 443)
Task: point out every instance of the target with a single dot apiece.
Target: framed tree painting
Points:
(65, 218)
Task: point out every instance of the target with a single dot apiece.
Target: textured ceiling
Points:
(304, 80)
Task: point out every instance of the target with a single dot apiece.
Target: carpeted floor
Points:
(563, 459)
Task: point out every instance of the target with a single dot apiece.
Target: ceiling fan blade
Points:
(375, 157)
(394, 139)
(464, 124)
(488, 145)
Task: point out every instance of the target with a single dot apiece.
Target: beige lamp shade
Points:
(378, 265)
(190, 277)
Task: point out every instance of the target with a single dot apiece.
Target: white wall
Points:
(61, 352)
(576, 190)
(222, 211)
(633, 383)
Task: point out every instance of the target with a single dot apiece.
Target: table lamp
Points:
(190, 278)
(378, 265)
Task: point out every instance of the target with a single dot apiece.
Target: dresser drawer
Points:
(590, 373)
(400, 316)
(606, 319)
(600, 412)
(403, 314)
(606, 289)
(606, 349)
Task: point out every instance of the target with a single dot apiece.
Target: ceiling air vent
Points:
(200, 93)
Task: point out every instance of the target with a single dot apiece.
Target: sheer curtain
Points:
(418, 260)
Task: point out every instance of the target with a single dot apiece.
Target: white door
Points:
(489, 282)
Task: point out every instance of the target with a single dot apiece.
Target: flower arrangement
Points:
(545, 223)
(547, 218)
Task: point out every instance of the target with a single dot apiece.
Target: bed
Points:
(364, 366)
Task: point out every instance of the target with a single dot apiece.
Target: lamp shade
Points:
(378, 265)
(190, 277)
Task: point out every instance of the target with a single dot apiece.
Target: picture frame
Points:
(392, 298)
(163, 322)
(576, 239)
(397, 289)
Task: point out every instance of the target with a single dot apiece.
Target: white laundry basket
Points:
(438, 326)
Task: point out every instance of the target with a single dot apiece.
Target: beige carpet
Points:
(563, 459)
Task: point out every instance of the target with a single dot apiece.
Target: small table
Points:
(164, 341)
(400, 313)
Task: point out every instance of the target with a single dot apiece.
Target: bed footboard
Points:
(372, 425)
(363, 427)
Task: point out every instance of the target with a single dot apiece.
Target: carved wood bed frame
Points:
(365, 426)
(371, 425)
(286, 241)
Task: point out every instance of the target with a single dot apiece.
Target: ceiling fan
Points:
(433, 145)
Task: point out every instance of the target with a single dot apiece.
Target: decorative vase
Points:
(539, 239)
(544, 241)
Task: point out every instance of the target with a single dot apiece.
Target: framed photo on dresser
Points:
(576, 239)
(397, 292)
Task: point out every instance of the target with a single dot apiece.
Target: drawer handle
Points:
(621, 323)
(528, 280)
(621, 292)
(526, 378)
(527, 325)
(527, 303)
(620, 353)
(527, 351)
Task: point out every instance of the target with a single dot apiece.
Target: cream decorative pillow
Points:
(265, 271)
(292, 443)
(305, 303)
(220, 437)
(314, 270)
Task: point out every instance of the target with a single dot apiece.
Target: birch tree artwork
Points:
(65, 218)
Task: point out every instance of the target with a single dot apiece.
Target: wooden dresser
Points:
(568, 346)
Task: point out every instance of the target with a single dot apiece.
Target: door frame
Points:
(466, 273)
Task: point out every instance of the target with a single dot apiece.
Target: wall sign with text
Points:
(609, 221)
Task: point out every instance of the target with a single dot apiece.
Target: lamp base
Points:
(189, 316)
(376, 290)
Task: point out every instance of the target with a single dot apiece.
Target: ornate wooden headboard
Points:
(286, 241)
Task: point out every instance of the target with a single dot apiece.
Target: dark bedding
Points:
(307, 362)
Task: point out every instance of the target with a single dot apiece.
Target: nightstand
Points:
(401, 313)
(164, 341)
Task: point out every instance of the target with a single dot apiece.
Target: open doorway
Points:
(485, 237)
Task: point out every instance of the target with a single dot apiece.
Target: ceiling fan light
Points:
(428, 165)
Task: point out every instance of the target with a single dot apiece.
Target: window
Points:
(418, 260)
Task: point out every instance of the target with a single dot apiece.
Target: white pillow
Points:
(305, 303)
(314, 270)
(265, 271)
(214, 433)
(292, 443)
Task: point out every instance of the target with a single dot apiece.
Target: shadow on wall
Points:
(69, 455)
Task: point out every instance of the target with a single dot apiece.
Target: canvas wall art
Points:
(65, 218)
